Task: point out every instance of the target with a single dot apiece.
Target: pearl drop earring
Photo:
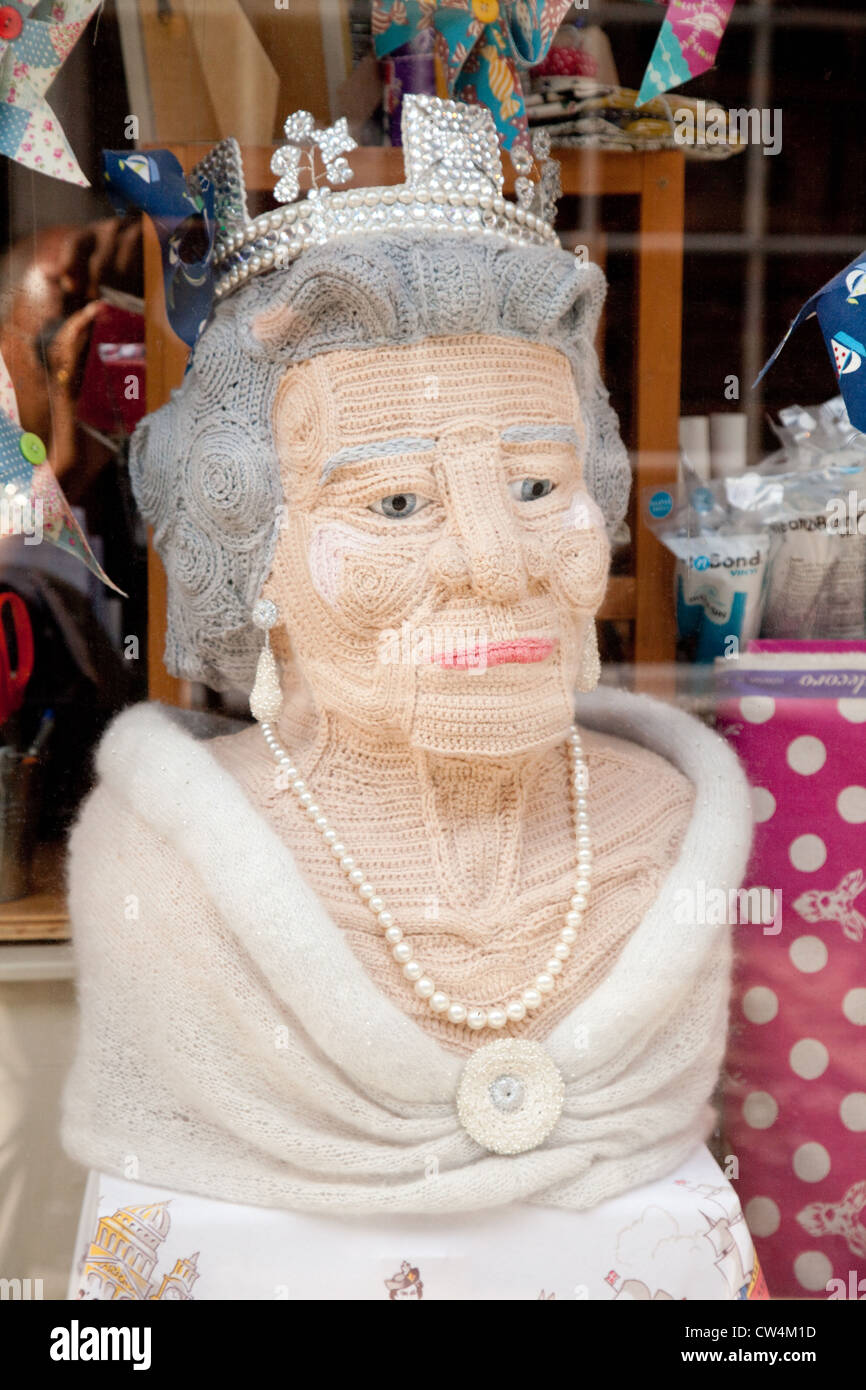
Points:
(266, 696)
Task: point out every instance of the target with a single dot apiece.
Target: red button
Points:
(11, 23)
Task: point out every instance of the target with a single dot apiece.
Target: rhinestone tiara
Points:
(454, 183)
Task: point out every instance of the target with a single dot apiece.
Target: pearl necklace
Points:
(440, 1003)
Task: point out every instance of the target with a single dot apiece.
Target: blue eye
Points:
(529, 489)
(399, 505)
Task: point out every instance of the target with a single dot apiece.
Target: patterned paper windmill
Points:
(480, 44)
(34, 41)
(31, 499)
(686, 46)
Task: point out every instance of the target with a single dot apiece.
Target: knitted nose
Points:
(483, 549)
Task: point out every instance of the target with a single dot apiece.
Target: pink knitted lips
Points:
(521, 651)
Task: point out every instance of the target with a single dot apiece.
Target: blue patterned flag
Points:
(152, 181)
(841, 309)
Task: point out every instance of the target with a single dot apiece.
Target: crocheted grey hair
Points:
(204, 467)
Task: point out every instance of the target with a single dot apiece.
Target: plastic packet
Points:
(721, 563)
(810, 494)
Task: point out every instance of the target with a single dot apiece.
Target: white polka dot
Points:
(757, 709)
(763, 1217)
(808, 953)
(807, 853)
(852, 1111)
(809, 1058)
(760, 1110)
(806, 755)
(852, 710)
(760, 1004)
(813, 1270)
(763, 804)
(851, 804)
(811, 1162)
(854, 1007)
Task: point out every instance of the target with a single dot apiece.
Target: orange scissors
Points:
(14, 621)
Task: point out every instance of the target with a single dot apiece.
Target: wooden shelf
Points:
(39, 917)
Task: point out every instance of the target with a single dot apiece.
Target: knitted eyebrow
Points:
(541, 434)
(377, 448)
(413, 444)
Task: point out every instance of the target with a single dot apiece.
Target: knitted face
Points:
(440, 560)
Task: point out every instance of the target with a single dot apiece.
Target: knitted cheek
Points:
(368, 580)
(578, 574)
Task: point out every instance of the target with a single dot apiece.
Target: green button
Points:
(32, 448)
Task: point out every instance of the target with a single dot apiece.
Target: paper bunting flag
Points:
(183, 216)
(34, 41)
(480, 44)
(841, 309)
(31, 501)
(687, 44)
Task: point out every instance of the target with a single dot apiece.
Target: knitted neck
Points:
(472, 810)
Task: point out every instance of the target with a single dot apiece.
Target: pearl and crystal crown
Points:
(454, 183)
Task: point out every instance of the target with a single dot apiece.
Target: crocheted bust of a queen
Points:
(414, 941)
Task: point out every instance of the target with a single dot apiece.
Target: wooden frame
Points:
(658, 181)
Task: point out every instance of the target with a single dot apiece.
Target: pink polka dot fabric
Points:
(796, 1096)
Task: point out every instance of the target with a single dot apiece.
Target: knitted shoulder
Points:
(136, 909)
(131, 825)
(138, 736)
(643, 804)
(171, 779)
(677, 737)
(653, 743)
(621, 756)
(114, 850)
